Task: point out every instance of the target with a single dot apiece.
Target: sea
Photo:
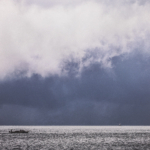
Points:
(75, 138)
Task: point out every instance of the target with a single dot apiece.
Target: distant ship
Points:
(18, 131)
(119, 124)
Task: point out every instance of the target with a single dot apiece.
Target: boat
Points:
(18, 131)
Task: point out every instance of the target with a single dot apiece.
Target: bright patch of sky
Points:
(38, 39)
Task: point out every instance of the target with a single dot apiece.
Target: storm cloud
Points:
(99, 96)
(78, 63)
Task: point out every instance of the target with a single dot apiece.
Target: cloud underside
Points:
(79, 63)
(97, 97)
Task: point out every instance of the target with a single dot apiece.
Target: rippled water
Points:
(75, 138)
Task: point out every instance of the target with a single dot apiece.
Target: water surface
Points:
(76, 138)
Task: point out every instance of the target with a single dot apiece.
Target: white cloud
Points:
(39, 39)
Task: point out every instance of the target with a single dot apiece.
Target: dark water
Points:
(75, 138)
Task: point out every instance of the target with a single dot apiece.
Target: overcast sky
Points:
(79, 62)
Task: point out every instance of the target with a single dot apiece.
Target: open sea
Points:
(75, 138)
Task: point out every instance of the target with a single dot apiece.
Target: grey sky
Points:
(97, 97)
(79, 63)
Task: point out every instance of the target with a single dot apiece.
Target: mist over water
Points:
(75, 138)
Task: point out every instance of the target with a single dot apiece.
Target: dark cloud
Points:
(99, 96)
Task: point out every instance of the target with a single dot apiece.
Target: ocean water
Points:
(75, 138)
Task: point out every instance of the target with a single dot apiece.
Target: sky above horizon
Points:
(79, 62)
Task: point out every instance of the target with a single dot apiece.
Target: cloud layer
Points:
(38, 39)
(84, 62)
(98, 97)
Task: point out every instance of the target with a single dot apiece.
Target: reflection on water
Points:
(75, 138)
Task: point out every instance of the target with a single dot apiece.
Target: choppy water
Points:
(75, 138)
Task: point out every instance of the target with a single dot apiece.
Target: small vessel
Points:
(18, 131)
